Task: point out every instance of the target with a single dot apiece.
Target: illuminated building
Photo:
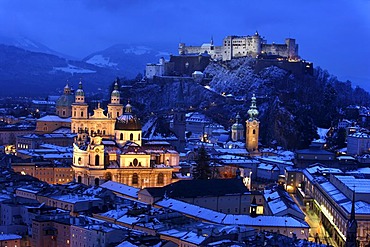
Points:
(252, 127)
(109, 147)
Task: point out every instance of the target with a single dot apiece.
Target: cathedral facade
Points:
(109, 147)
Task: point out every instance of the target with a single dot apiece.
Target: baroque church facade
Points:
(109, 146)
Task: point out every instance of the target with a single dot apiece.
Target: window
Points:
(160, 178)
(97, 159)
(82, 113)
(135, 162)
(121, 136)
(131, 137)
(138, 137)
(135, 178)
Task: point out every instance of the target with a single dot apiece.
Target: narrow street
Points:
(317, 230)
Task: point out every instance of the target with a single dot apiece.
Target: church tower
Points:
(64, 102)
(237, 130)
(115, 108)
(179, 119)
(252, 127)
(351, 235)
(79, 109)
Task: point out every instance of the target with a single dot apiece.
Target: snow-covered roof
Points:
(360, 185)
(121, 189)
(360, 135)
(5, 237)
(319, 168)
(361, 207)
(54, 118)
(230, 219)
(75, 198)
(268, 167)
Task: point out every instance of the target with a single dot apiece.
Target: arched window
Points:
(79, 160)
(254, 132)
(135, 162)
(131, 137)
(160, 178)
(82, 113)
(121, 136)
(79, 179)
(135, 178)
(96, 181)
(138, 137)
(97, 159)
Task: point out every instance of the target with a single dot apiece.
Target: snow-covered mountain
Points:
(27, 73)
(129, 59)
(31, 45)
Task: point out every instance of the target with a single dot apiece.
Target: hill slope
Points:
(29, 73)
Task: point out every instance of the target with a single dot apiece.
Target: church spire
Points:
(351, 236)
(253, 112)
(80, 94)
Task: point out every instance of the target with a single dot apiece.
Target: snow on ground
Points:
(73, 69)
(101, 61)
(138, 50)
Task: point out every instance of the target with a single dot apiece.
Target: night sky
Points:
(335, 35)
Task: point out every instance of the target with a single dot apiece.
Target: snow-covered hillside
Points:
(129, 59)
(237, 77)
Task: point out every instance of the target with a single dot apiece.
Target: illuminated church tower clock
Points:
(252, 127)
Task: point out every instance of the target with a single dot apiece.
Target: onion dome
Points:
(237, 125)
(115, 92)
(253, 112)
(80, 91)
(127, 121)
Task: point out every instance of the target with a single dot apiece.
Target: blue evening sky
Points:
(335, 35)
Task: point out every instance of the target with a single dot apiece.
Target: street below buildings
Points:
(317, 231)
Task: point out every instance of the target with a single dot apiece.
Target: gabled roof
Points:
(200, 188)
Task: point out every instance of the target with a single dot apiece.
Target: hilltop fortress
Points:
(243, 46)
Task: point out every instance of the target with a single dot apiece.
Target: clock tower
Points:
(252, 127)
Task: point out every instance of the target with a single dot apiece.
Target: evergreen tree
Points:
(202, 169)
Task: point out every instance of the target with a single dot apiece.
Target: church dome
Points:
(237, 125)
(65, 100)
(127, 121)
(115, 92)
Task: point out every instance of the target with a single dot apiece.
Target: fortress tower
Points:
(252, 127)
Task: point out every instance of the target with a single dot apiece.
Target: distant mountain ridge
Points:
(130, 59)
(31, 68)
(28, 73)
(31, 45)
